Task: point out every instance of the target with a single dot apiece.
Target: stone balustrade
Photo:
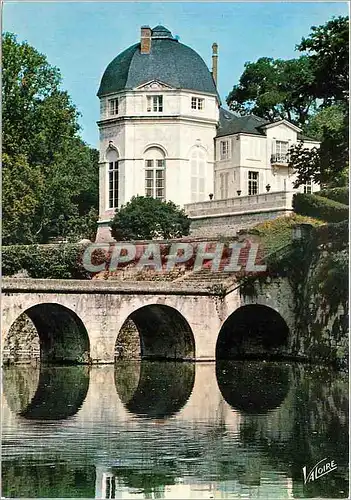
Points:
(265, 202)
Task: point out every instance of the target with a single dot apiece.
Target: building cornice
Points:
(152, 118)
(137, 90)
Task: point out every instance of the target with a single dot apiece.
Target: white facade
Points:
(166, 153)
(246, 163)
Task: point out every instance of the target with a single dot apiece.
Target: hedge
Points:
(320, 207)
(340, 194)
(62, 261)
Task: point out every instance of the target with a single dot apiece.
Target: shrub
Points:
(146, 218)
(320, 207)
(45, 261)
(340, 194)
(333, 235)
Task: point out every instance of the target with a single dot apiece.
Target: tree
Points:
(310, 91)
(43, 155)
(21, 185)
(327, 49)
(275, 89)
(145, 218)
(326, 165)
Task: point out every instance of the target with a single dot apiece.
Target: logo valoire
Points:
(322, 468)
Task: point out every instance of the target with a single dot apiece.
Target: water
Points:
(173, 430)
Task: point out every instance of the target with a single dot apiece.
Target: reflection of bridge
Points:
(80, 320)
(110, 396)
(235, 428)
(108, 403)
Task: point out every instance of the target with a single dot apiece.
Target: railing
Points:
(280, 158)
(280, 200)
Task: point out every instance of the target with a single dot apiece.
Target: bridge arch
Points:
(62, 335)
(253, 331)
(162, 332)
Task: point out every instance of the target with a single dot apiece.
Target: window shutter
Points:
(274, 147)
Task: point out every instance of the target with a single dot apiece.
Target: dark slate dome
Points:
(169, 61)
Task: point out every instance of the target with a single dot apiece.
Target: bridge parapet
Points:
(12, 285)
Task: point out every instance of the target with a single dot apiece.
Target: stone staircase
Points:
(206, 275)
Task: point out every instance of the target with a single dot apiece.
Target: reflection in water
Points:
(59, 393)
(154, 389)
(56, 480)
(253, 387)
(273, 420)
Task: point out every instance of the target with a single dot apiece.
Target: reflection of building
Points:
(164, 134)
(109, 486)
(267, 484)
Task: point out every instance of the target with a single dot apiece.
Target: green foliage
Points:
(45, 261)
(274, 89)
(146, 218)
(337, 234)
(40, 479)
(310, 91)
(320, 208)
(328, 119)
(327, 48)
(277, 233)
(328, 163)
(49, 175)
(340, 194)
(333, 277)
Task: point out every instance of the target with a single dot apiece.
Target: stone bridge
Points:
(81, 320)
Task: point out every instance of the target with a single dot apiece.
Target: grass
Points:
(276, 233)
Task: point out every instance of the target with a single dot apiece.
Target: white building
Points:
(163, 132)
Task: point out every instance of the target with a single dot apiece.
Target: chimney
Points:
(214, 62)
(145, 40)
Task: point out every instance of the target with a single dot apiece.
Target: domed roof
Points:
(168, 61)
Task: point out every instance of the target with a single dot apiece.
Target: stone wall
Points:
(128, 342)
(229, 225)
(21, 345)
(323, 319)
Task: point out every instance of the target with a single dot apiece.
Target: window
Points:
(307, 188)
(113, 107)
(113, 184)
(155, 178)
(155, 103)
(224, 150)
(281, 152)
(253, 183)
(197, 103)
(197, 171)
(224, 178)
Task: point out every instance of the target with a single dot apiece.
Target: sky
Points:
(81, 38)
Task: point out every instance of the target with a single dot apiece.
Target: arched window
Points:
(197, 170)
(155, 165)
(113, 179)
